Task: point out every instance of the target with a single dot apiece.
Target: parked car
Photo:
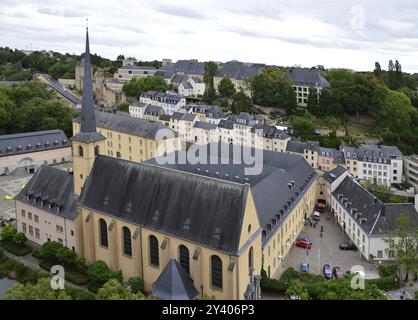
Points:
(316, 216)
(304, 266)
(347, 246)
(320, 207)
(8, 219)
(303, 243)
(327, 271)
(337, 272)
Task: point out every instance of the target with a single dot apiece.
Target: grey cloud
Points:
(180, 11)
(63, 12)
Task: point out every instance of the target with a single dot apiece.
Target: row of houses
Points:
(187, 76)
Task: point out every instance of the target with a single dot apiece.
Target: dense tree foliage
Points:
(136, 86)
(226, 88)
(272, 88)
(28, 107)
(211, 68)
(115, 290)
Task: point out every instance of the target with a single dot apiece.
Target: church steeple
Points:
(87, 143)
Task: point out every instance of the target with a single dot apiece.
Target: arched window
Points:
(184, 258)
(250, 258)
(216, 264)
(96, 150)
(103, 233)
(80, 151)
(127, 241)
(153, 251)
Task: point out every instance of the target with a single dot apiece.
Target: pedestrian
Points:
(314, 225)
(322, 228)
(310, 222)
(321, 234)
(307, 252)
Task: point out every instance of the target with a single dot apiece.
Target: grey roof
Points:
(190, 67)
(362, 200)
(214, 112)
(203, 210)
(177, 115)
(350, 153)
(270, 189)
(307, 77)
(333, 174)
(373, 153)
(127, 124)
(165, 117)
(188, 117)
(205, 125)
(379, 218)
(226, 124)
(388, 218)
(269, 131)
(174, 283)
(52, 186)
(166, 97)
(299, 146)
(339, 157)
(187, 85)
(238, 70)
(88, 131)
(243, 118)
(152, 110)
(20, 143)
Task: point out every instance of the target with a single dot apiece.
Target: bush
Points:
(136, 284)
(19, 238)
(8, 232)
(416, 295)
(387, 283)
(79, 294)
(1, 253)
(37, 254)
(98, 273)
(72, 276)
(16, 270)
(388, 270)
(16, 248)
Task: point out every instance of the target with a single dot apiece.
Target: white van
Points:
(316, 216)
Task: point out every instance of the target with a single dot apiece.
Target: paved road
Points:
(61, 90)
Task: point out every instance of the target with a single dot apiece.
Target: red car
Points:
(338, 274)
(303, 243)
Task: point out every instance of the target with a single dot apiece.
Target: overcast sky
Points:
(343, 33)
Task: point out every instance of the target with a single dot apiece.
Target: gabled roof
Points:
(299, 146)
(388, 218)
(205, 125)
(270, 189)
(188, 117)
(52, 186)
(269, 132)
(127, 124)
(203, 210)
(238, 70)
(226, 124)
(21, 143)
(334, 174)
(307, 77)
(153, 110)
(174, 283)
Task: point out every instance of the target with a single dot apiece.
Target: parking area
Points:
(325, 250)
(10, 187)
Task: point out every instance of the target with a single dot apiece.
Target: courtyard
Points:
(325, 250)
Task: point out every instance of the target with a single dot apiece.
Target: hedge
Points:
(72, 276)
(15, 270)
(15, 248)
(388, 283)
(79, 294)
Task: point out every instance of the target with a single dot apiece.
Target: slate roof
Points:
(165, 117)
(307, 77)
(334, 174)
(226, 124)
(203, 210)
(379, 218)
(53, 186)
(191, 67)
(177, 115)
(270, 131)
(135, 67)
(174, 283)
(21, 143)
(270, 189)
(205, 125)
(214, 112)
(127, 124)
(238, 70)
(362, 200)
(299, 146)
(152, 110)
(188, 117)
(373, 153)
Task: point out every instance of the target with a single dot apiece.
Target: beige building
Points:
(32, 149)
(45, 207)
(411, 171)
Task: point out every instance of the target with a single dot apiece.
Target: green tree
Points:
(114, 290)
(40, 291)
(303, 126)
(136, 86)
(19, 238)
(136, 284)
(124, 106)
(240, 103)
(99, 273)
(404, 245)
(313, 103)
(226, 88)
(297, 289)
(378, 71)
(211, 68)
(8, 233)
(50, 250)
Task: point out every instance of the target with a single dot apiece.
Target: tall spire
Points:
(88, 119)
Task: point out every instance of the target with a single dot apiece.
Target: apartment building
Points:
(411, 171)
(269, 137)
(303, 79)
(45, 207)
(366, 220)
(191, 87)
(130, 71)
(153, 113)
(169, 101)
(309, 150)
(30, 150)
